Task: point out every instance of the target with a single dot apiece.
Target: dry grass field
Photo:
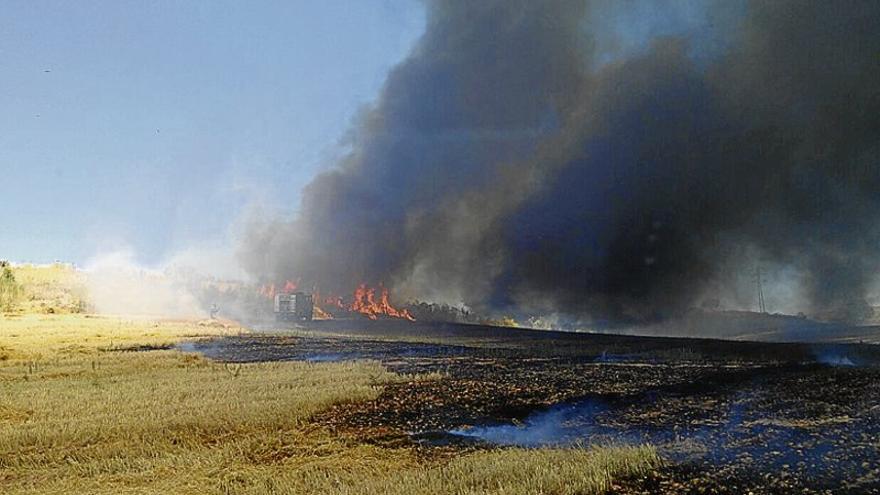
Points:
(55, 288)
(82, 410)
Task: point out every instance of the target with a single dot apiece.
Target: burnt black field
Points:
(728, 417)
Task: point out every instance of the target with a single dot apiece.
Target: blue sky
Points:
(152, 124)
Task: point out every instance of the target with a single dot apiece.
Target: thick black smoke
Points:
(512, 164)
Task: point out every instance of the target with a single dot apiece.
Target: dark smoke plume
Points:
(513, 162)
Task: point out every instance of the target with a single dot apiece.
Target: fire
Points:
(331, 303)
(327, 301)
(320, 314)
(269, 290)
(365, 303)
(368, 301)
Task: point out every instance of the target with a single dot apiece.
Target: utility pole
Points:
(762, 307)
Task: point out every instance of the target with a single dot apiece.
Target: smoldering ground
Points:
(528, 156)
(730, 417)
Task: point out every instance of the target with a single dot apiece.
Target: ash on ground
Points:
(729, 417)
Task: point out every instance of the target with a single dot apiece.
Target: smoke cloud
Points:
(118, 285)
(600, 160)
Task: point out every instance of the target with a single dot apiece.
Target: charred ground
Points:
(728, 416)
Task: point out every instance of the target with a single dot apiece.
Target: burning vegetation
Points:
(371, 302)
(366, 303)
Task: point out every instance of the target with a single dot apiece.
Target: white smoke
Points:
(117, 284)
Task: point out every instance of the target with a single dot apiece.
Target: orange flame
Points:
(368, 301)
(267, 291)
(320, 302)
(329, 300)
(365, 303)
(320, 314)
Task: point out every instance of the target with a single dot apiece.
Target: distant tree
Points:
(9, 288)
(424, 311)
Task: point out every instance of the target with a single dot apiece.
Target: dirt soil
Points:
(729, 417)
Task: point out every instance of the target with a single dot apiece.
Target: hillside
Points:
(47, 289)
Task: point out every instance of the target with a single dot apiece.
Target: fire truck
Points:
(295, 306)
